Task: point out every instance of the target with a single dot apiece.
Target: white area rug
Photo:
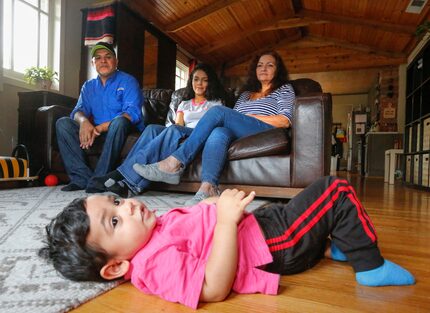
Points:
(28, 283)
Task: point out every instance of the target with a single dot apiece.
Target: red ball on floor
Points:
(51, 180)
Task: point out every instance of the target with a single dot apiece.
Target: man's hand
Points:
(87, 134)
(102, 128)
(87, 131)
(231, 205)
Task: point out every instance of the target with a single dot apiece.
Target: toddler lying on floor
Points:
(201, 253)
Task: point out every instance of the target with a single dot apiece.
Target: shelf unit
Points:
(417, 120)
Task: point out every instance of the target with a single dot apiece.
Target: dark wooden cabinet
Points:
(417, 120)
(29, 102)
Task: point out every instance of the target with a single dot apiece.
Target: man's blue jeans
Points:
(156, 143)
(215, 131)
(74, 157)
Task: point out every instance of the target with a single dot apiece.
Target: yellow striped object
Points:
(11, 167)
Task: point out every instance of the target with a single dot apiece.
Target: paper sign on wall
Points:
(389, 112)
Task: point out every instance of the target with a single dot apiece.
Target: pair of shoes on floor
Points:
(200, 196)
(72, 187)
(153, 173)
(96, 184)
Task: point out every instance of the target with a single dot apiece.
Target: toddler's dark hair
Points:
(66, 244)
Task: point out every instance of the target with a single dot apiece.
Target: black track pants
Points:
(297, 232)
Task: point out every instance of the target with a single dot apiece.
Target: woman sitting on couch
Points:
(267, 102)
(203, 91)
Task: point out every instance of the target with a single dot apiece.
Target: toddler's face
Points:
(119, 226)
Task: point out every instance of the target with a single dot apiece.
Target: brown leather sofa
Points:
(277, 163)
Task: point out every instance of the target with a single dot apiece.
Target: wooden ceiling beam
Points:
(234, 37)
(293, 23)
(143, 9)
(247, 57)
(330, 48)
(389, 27)
(325, 64)
(344, 66)
(356, 46)
(198, 15)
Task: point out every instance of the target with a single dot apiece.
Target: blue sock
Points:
(336, 254)
(388, 274)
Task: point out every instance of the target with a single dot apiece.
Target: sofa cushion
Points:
(156, 105)
(177, 97)
(270, 142)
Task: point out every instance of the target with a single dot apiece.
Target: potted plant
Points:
(42, 76)
(423, 28)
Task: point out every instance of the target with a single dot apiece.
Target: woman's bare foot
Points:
(206, 191)
(209, 189)
(170, 165)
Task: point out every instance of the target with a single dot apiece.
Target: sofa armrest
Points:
(270, 142)
(311, 139)
(45, 120)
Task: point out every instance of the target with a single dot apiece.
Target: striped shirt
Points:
(279, 102)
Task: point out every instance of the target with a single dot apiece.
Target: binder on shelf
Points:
(425, 172)
(408, 168)
(416, 169)
(426, 134)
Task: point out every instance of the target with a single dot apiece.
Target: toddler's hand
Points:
(231, 205)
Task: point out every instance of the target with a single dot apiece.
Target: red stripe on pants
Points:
(364, 219)
(306, 214)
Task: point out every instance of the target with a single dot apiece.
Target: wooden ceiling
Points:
(312, 36)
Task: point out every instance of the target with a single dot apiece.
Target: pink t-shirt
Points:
(172, 264)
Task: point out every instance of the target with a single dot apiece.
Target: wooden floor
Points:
(402, 219)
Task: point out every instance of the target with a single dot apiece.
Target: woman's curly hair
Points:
(281, 75)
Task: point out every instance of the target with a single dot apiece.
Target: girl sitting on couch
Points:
(203, 91)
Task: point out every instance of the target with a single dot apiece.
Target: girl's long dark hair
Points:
(281, 75)
(215, 90)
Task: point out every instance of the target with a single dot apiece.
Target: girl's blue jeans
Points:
(156, 143)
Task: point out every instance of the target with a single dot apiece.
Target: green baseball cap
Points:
(102, 45)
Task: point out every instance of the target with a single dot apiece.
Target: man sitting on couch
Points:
(108, 107)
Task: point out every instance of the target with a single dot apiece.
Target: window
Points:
(31, 31)
(181, 75)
